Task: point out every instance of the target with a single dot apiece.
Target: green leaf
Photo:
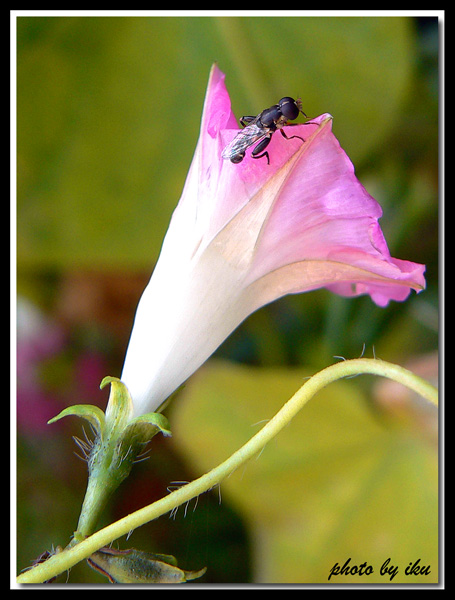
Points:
(93, 414)
(135, 566)
(339, 482)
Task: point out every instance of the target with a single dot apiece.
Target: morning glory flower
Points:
(245, 234)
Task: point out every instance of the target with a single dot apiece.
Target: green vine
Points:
(84, 548)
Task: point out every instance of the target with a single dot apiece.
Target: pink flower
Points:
(246, 234)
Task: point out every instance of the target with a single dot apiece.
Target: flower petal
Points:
(313, 210)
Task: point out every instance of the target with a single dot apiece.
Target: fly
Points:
(261, 128)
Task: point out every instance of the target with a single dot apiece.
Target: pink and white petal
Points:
(341, 278)
(321, 206)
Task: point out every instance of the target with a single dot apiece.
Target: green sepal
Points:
(135, 566)
(92, 414)
(152, 422)
(138, 433)
(119, 409)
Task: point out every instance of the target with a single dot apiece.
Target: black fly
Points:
(261, 128)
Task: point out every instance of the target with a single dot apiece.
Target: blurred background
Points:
(108, 116)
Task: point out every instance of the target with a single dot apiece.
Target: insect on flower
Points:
(261, 128)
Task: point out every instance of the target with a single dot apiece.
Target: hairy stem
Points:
(70, 556)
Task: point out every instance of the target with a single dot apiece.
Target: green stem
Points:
(69, 557)
(99, 489)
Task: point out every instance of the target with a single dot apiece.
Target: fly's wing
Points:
(245, 138)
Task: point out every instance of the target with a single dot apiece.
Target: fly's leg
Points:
(244, 121)
(292, 136)
(260, 147)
